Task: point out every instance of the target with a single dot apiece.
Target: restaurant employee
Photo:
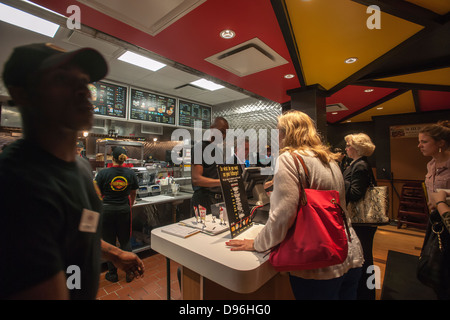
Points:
(204, 176)
(118, 186)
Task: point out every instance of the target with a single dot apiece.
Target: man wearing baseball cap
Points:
(50, 230)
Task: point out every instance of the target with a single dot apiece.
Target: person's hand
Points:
(130, 263)
(439, 196)
(241, 245)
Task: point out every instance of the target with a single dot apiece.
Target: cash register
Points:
(146, 181)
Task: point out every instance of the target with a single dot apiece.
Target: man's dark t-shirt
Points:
(43, 200)
(209, 169)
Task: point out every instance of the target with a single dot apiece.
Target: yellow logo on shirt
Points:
(118, 183)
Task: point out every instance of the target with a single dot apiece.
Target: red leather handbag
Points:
(317, 239)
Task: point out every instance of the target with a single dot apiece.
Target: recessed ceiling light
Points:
(349, 120)
(289, 76)
(27, 21)
(209, 85)
(368, 90)
(227, 34)
(380, 108)
(141, 61)
(351, 60)
(334, 113)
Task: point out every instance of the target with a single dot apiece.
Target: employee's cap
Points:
(80, 144)
(33, 58)
(118, 151)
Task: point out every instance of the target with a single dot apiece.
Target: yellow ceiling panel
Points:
(404, 103)
(327, 32)
(437, 6)
(438, 77)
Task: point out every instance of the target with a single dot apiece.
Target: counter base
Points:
(196, 287)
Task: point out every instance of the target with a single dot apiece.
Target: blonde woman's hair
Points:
(301, 135)
(361, 143)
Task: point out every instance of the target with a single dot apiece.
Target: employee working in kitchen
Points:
(50, 212)
(204, 175)
(118, 185)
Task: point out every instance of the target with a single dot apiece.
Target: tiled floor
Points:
(151, 287)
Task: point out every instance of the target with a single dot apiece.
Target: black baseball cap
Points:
(118, 151)
(31, 59)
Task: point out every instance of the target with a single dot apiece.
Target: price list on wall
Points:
(190, 112)
(151, 107)
(108, 99)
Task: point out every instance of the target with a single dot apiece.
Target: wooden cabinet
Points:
(413, 209)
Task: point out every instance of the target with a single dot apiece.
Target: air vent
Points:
(336, 107)
(149, 129)
(149, 16)
(247, 58)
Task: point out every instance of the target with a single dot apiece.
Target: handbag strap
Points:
(303, 199)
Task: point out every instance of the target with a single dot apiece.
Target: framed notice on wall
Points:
(238, 210)
(151, 107)
(191, 111)
(109, 99)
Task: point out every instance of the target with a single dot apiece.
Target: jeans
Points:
(342, 288)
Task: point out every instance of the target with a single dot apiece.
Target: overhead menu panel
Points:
(109, 99)
(191, 111)
(151, 107)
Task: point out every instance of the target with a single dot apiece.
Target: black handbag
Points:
(432, 268)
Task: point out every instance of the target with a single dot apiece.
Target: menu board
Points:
(108, 99)
(151, 107)
(238, 210)
(191, 111)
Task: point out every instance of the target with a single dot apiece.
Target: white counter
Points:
(180, 196)
(238, 271)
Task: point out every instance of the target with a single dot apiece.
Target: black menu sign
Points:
(152, 107)
(108, 99)
(238, 210)
(190, 112)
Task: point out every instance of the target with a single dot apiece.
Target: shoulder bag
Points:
(317, 239)
(373, 208)
(433, 269)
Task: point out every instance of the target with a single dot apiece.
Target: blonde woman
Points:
(358, 177)
(298, 134)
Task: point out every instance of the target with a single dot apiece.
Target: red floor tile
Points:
(151, 287)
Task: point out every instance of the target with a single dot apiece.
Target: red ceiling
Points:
(354, 98)
(434, 100)
(195, 37)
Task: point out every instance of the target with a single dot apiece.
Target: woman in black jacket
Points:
(358, 176)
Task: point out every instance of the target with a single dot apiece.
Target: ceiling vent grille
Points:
(335, 107)
(247, 58)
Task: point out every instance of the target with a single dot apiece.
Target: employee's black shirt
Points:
(42, 200)
(115, 184)
(209, 169)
